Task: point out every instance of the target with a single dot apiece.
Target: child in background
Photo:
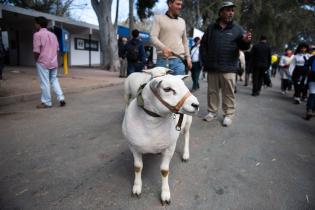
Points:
(285, 75)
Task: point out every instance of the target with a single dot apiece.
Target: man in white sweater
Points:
(168, 35)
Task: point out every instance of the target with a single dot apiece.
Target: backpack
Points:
(132, 51)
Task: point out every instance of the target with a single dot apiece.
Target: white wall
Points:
(81, 57)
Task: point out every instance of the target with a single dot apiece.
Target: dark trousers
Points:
(1, 70)
(258, 78)
(195, 73)
(285, 84)
(274, 71)
(134, 67)
(299, 80)
(310, 102)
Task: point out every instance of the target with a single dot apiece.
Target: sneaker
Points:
(62, 103)
(43, 106)
(227, 121)
(297, 101)
(209, 117)
(283, 92)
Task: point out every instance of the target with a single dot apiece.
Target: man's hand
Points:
(167, 52)
(247, 37)
(189, 64)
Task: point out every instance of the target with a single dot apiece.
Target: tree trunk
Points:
(131, 19)
(198, 16)
(117, 14)
(108, 37)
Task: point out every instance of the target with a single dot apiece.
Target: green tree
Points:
(55, 7)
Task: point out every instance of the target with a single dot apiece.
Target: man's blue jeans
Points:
(134, 67)
(48, 77)
(175, 64)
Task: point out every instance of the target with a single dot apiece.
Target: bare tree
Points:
(109, 45)
(131, 18)
(117, 14)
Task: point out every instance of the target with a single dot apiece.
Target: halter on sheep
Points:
(149, 134)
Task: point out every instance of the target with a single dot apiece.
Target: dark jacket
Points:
(261, 55)
(311, 69)
(141, 55)
(219, 48)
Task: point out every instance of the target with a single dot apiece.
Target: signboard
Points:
(83, 44)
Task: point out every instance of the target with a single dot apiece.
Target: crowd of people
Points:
(298, 70)
(225, 54)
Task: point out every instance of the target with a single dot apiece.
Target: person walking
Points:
(196, 66)
(248, 65)
(168, 35)
(299, 72)
(310, 105)
(274, 64)
(219, 49)
(122, 41)
(135, 54)
(2, 59)
(261, 61)
(285, 75)
(45, 49)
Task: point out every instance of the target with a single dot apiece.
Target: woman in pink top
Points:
(45, 49)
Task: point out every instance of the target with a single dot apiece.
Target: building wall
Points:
(81, 57)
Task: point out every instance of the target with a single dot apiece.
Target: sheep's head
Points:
(157, 71)
(172, 93)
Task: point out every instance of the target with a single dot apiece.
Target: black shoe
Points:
(308, 117)
(254, 94)
(62, 103)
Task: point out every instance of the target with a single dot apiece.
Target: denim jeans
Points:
(47, 78)
(310, 105)
(195, 73)
(134, 67)
(175, 64)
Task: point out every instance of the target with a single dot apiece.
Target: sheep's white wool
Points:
(136, 79)
(148, 134)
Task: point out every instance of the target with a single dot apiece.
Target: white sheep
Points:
(136, 79)
(133, 83)
(151, 124)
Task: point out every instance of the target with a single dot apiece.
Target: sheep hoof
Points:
(165, 202)
(165, 198)
(136, 190)
(185, 158)
(135, 195)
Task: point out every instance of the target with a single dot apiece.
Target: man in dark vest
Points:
(261, 61)
(219, 49)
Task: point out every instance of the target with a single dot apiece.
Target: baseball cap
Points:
(226, 4)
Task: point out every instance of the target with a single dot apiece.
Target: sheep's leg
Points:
(186, 133)
(138, 164)
(166, 159)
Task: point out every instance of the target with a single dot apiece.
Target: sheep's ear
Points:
(168, 71)
(149, 71)
(183, 77)
(155, 84)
